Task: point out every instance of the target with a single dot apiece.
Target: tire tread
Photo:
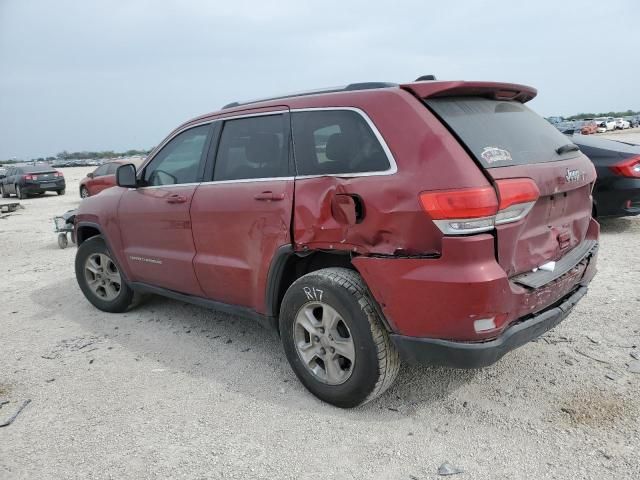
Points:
(124, 300)
(388, 357)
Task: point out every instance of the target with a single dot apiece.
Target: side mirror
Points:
(126, 176)
(90, 175)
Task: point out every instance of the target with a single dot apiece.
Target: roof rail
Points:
(348, 88)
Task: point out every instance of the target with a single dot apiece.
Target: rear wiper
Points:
(569, 147)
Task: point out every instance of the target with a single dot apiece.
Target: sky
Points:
(116, 75)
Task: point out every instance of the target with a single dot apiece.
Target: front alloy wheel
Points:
(102, 276)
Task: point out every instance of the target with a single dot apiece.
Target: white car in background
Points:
(609, 122)
(622, 124)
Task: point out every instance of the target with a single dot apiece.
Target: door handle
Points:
(269, 196)
(175, 198)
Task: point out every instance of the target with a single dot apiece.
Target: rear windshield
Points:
(37, 169)
(501, 133)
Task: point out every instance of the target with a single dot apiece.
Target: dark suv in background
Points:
(25, 180)
(436, 222)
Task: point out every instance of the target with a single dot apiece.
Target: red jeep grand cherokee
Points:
(438, 222)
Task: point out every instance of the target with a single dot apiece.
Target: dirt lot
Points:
(173, 390)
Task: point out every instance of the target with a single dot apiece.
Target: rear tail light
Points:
(58, 174)
(628, 168)
(517, 196)
(473, 210)
(467, 210)
(30, 177)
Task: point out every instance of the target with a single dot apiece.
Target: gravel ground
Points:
(173, 390)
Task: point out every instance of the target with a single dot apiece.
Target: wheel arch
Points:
(86, 230)
(288, 265)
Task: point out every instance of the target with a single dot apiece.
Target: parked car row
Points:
(27, 179)
(588, 126)
(76, 163)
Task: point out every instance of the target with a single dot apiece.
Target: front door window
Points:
(179, 160)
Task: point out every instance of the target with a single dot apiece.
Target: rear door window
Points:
(253, 147)
(501, 133)
(334, 142)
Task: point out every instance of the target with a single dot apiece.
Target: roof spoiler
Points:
(493, 90)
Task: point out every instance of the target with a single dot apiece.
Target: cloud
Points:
(118, 75)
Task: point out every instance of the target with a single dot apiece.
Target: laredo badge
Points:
(495, 154)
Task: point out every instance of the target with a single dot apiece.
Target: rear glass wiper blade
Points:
(569, 147)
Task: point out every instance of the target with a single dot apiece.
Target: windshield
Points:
(500, 133)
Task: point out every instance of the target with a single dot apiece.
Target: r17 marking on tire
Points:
(313, 293)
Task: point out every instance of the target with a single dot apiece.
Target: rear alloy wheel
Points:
(324, 343)
(99, 277)
(84, 193)
(335, 340)
(19, 193)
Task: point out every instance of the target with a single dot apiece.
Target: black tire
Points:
(19, 193)
(3, 192)
(63, 241)
(61, 192)
(376, 362)
(125, 296)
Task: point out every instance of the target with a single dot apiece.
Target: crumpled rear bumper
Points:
(481, 354)
(444, 297)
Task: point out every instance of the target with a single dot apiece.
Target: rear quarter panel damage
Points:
(427, 158)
